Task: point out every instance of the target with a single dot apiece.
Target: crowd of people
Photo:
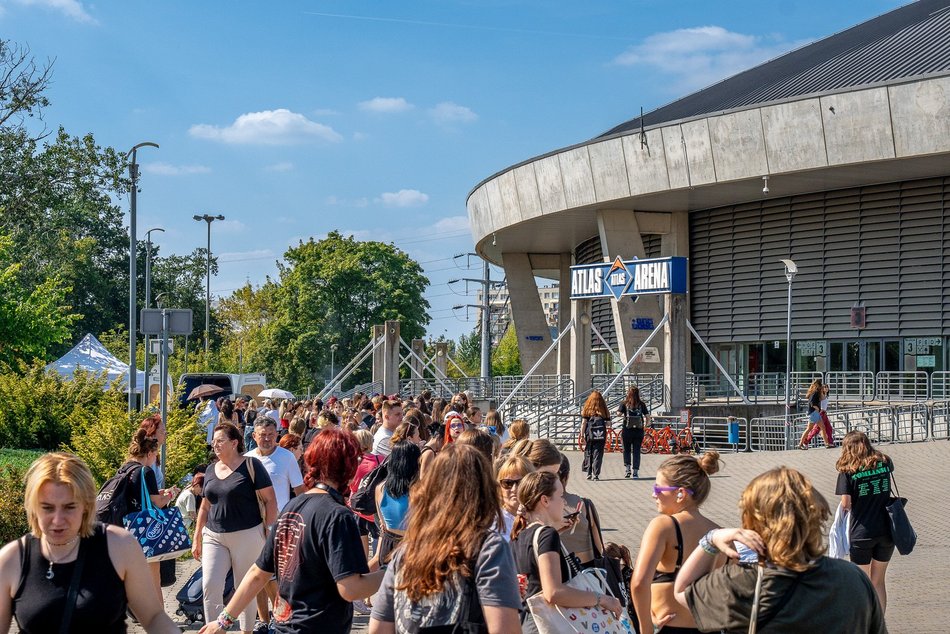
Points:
(430, 515)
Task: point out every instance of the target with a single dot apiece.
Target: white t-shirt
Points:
(381, 444)
(283, 470)
(209, 419)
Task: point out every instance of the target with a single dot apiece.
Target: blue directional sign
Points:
(653, 276)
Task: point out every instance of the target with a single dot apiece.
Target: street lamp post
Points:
(133, 339)
(790, 270)
(148, 295)
(333, 348)
(208, 219)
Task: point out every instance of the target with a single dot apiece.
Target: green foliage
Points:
(12, 516)
(103, 442)
(30, 320)
(331, 292)
(185, 444)
(19, 458)
(468, 353)
(40, 407)
(505, 358)
(244, 317)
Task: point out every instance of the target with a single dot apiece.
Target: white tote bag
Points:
(554, 619)
(839, 537)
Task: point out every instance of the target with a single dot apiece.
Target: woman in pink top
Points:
(370, 461)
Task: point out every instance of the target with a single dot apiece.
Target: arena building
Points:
(835, 155)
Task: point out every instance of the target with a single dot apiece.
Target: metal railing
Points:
(502, 386)
(940, 386)
(476, 385)
(940, 421)
(769, 433)
(901, 386)
(911, 422)
(876, 422)
(374, 387)
(446, 388)
(849, 386)
(712, 432)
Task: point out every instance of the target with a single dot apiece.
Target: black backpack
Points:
(363, 500)
(596, 428)
(112, 500)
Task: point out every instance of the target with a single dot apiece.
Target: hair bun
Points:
(709, 462)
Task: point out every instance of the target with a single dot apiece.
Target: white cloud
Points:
(238, 256)
(269, 127)
(167, 169)
(403, 198)
(703, 55)
(70, 8)
(282, 166)
(451, 224)
(385, 105)
(448, 112)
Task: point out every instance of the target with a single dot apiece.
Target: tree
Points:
(332, 291)
(31, 321)
(505, 358)
(21, 85)
(469, 352)
(244, 317)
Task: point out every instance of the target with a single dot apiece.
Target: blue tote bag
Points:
(160, 532)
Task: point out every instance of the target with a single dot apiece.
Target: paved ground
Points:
(917, 584)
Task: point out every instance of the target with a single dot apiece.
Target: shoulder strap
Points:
(893, 480)
(73, 589)
(679, 543)
(249, 462)
(593, 524)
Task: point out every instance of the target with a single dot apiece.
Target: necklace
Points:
(49, 545)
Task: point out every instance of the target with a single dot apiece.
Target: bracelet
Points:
(705, 542)
(225, 620)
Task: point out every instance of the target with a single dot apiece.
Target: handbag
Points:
(261, 507)
(160, 532)
(611, 567)
(902, 533)
(839, 536)
(554, 619)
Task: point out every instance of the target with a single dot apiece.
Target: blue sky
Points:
(295, 118)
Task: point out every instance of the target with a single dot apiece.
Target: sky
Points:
(296, 118)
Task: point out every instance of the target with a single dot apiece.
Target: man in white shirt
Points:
(392, 416)
(208, 418)
(284, 474)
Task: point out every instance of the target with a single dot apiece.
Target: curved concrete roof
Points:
(894, 131)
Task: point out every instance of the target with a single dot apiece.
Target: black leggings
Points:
(632, 438)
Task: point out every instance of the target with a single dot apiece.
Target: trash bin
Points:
(734, 432)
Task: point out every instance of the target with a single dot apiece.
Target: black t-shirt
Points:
(523, 546)
(234, 499)
(869, 490)
(814, 401)
(133, 492)
(314, 544)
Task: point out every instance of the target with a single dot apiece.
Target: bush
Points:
(104, 443)
(20, 458)
(185, 445)
(12, 516)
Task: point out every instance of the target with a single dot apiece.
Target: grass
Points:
(20, 458)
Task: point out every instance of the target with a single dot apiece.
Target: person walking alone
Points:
(594, 421)
(636, 415)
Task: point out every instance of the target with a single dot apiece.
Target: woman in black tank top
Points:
(682, 485)
(70, 573)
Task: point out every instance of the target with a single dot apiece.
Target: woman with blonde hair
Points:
(595, 421)
(864, 484)
(540, 452)
(449, 573)
(67, 548)
(510, 472)
(783, 577)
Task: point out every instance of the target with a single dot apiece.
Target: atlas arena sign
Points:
(654, 276)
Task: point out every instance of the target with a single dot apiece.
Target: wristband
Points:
(705, 542)
(225, 620)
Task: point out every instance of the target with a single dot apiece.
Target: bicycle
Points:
(667, 441)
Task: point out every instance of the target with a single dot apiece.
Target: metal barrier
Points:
(502, 386)
(940, 421)
(445, 388)
(911, 423)
(770, 385)
(940, 386)
(712, 432)
(901, 386)
(369, 389)
(850, 385)
(771, 433)
(876, 422)
(479, 388)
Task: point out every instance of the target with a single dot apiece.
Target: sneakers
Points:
(589, 476)
(360, 607)
(626, 473)
(636, 474)
(803, 446)
(597, 478)
(261, 627)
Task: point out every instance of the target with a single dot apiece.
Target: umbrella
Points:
(205, 390)
(273, 392)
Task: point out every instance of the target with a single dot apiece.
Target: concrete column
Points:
(580, 345)
(531, 326)
(564, 312)
(379, 331)
(419, 347)
(620, 236)
(442, 358)
(391, 358)
(676, 242)
(676, 353)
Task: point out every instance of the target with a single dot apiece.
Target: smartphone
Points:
(570, 517)
(746, 554)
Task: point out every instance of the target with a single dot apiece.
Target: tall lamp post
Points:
(333, 348)
(208, 219)
(790, 270)
(133, 339)
(148, 295)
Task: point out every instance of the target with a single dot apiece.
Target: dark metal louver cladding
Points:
(886, 247)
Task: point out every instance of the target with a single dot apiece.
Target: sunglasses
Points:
(508, 484)
(456, 425)
(658, 489)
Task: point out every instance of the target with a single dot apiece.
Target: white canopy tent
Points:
(90, 355)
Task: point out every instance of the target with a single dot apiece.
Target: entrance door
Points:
(847, 356)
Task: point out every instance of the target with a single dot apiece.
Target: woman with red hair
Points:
(314, 549)
(454, 426)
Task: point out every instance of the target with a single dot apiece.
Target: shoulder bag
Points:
(261, 506)
(610, 566)
(555, 619)
(902, 533)
(160, 532)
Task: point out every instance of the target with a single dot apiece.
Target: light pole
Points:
(148, 296)
(133, 339)
(333, 348)
(790, 270)
(208, 219)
